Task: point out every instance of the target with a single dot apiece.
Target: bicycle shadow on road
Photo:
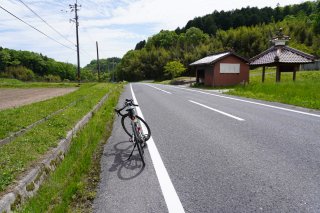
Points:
(126, 169)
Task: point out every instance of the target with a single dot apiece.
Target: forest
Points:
(249, 16)
(107, 68)
(30, 66)
(247, 31)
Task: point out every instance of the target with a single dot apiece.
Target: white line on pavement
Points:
(252, 102)
(169, 193)
(224, 113)
(158, 89)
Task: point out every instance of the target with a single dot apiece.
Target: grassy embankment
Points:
(15, 119)
(303, 92)
(71, 187)
(19, 155)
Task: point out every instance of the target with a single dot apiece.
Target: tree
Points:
(5, 59)
(140, 45)
(195, 36)
(174, 69)
(163, 39)
(316, 25)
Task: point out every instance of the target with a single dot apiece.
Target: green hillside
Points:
(107, 68)
(249, 16)
(28, 66)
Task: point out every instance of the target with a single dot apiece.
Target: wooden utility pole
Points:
(278, 74)
(98, 62)
(76, 18)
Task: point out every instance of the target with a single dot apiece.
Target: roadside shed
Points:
(222, 69)
(281, 56)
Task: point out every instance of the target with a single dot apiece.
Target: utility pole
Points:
(98, 62)
(76, 18)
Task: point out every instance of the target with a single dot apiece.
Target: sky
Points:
(117, 25)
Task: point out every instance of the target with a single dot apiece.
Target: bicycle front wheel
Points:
(144, 127)
(141, 152)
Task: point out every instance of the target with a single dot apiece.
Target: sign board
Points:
(229, 68)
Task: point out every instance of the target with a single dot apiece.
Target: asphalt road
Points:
(222, 154)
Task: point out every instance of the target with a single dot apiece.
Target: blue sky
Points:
(116, 24)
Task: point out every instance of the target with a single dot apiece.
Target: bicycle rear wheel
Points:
(144, 127)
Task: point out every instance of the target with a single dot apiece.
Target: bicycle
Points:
(136, 134)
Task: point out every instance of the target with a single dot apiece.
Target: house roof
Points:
(211, 59)
(281, 54)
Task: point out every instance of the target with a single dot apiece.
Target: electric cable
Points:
(36, 29)
(46, 22)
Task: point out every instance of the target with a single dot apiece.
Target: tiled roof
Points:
(281, 54)
(213, 58)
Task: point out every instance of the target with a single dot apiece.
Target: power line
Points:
(81, 50)
(87, 53)
(46, 22)
(35, 28)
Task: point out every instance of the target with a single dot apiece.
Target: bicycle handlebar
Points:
(128, 102)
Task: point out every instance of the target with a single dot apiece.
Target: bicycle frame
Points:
(136, 136)
(134, 123)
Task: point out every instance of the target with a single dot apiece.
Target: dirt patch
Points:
(18, 97)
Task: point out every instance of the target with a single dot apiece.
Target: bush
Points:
(105, 77)
(18, 72)
(88, 75)
(52, 78)
(174, 69)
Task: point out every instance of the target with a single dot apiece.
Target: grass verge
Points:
(71, 187)
(201, 86)
(20, 154)
(304, 92)
(15, 119)
(14, 83)
(177, 81)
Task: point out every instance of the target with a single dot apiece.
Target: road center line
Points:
(169, 193)
(158, 89)
(223, 113)
(252, 102)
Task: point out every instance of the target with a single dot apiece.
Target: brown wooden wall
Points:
(213, 77)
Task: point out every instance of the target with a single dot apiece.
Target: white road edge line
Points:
(252, 102)
(169, 193)
(158, 89)
(223, 113)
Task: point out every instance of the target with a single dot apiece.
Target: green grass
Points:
(71, 183)
(201, 86)
(15, 119)
(14, 83)
(303, 92)
(162, 82)
(178, 79)
(18, 155)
